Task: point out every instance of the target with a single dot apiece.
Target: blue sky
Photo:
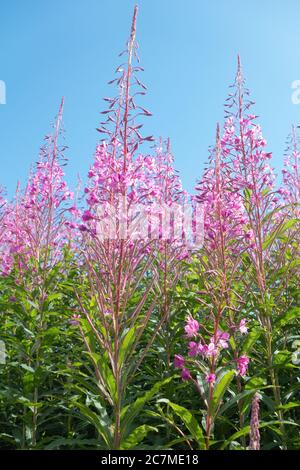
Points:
(188, 49)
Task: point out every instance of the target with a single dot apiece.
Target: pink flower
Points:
(179, 361)
(242, 327)
(185, 374)
(202, 349)
(222, 338)
(212, 349)
(242, 365)
(86, 216)
(210, 378)
(194, 349)
(192, 326)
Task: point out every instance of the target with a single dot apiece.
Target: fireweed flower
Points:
(192, 327)
(185, 374)
(225, 226)
(225, 216)
(195, 349)
(212, 349)
(242, 365)
(242, 326)
(107, 312)
(179, 361)
(36, 221)
(86, 216)
(247, 160)
(122, 180)
(222, 339)
(210, 378)
(251, 173)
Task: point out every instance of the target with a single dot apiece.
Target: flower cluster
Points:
(35, 223)
(209, 350)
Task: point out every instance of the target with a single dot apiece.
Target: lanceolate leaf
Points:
(251, 339)
(221, 386)
(101, 423)
(137, 436)
(190, 422)
(131, 411)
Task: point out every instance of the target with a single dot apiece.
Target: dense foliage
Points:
(138, 342)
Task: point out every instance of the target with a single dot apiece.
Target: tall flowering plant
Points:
(35, 224)
(253, 176)
(218, 324)
(172, 248)
(118, 252)
(33, 241)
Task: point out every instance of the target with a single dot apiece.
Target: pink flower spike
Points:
(242, 327)
(185, 374)
(210, 378)
(179, 361)
(242, 365)
(192, 327)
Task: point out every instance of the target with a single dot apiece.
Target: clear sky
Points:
(50, 48)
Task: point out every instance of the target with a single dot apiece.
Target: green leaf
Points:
(234, 400)
(136, 437)
(278, 232)
(28, 368)
(101, 423)
(131, 411)
(251, 339)
(288, 406)
(288, 316)
(65, 442)
(106, 373)
(190, 421)
(282, 359)
(126, 344)
(221, 386)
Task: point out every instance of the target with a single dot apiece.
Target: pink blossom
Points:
(33, 222)
(185, 374)
(242, 365)
(202, 349)
(212, 350)
(86, 216)
(210, 378)
(179, 361)
(191, 327)
(222, 338)
(193, 349)
(242, 327)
